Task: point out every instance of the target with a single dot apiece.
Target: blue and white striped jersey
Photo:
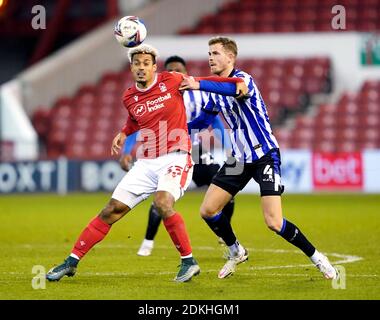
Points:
(194, 100)
(251, 134)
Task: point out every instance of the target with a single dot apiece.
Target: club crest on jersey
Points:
(162, 87)
(136, 98)
(139, 110)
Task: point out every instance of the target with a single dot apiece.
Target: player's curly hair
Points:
(143, 48)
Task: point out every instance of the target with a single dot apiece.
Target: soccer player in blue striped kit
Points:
(255, 155)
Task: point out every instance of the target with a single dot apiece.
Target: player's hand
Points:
(189, 83)
(117, 143)
(126, 162)
(241, 90)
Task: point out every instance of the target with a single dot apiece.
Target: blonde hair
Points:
(143, 48)
(227, 43)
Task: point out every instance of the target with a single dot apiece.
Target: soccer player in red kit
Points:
(164, 166)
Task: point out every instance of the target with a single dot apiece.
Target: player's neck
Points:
(226, 72)
(147, 84)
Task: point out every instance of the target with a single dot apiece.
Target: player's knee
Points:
(164, 203)
(112, 211)
(274, 224)
(207, 211)
(163, 207)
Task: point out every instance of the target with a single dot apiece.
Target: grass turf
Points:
(41, 229)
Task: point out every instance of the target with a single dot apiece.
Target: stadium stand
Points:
(83, 125)
(248, 16)
(352, 124)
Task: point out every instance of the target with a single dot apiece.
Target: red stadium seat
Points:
(328, 109)
(324, 146)
(302, 145)
(41, 123)
(347, 146)
(327, 134)
(288, 16)
(304, 122)
(371, 85)
(283, 134)
(305, 27)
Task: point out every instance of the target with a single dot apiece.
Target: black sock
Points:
(292, 234)
(222, 228)
(228, 209)
(72, 261)
(153, 223)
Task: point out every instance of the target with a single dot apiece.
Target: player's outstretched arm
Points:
(226, 86)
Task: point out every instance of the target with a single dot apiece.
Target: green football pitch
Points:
(38, 231)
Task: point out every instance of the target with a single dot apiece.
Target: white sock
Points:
(188, 256)
(236, 249)
(316, 256)
(148, 243)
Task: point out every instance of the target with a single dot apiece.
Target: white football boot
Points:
(230, 267)
(325, 267)
(146, 248)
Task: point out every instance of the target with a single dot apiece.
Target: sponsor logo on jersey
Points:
(162, 87)
(151, 105)
(139, 110)
(157, 103)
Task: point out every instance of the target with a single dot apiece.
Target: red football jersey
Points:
(159, 113)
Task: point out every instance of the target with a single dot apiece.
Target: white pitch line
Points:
(344, 258)
(296, 275)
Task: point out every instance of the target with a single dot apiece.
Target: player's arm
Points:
(130, 142)
(206, 117)
(203, 121)
(220, 85)
(248, 81)
(126, 157)
(218, 125)
(129, 128)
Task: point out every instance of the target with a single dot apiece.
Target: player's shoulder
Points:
(248, 78)
(129, 92)
(242, 74)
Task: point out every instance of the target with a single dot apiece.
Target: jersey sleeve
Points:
(221, 85)
(219, 79)
(176, 77)
(130, 143)
(210, 106)
(130, 126)
(248, 81)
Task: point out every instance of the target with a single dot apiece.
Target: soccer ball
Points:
(130, 31)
